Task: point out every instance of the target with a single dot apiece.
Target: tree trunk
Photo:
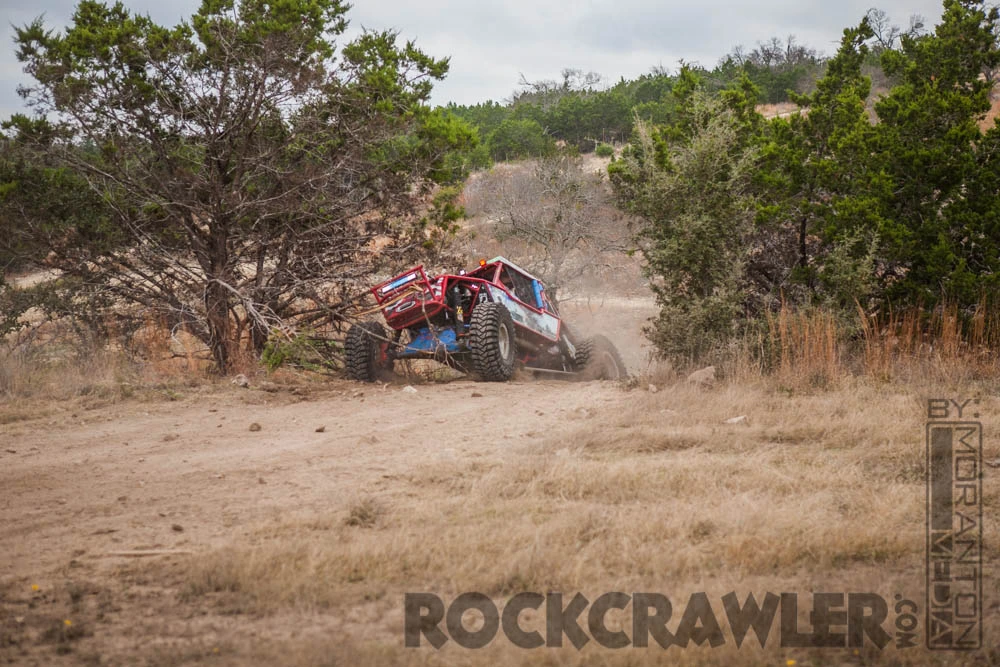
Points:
(803, 252)
(258, 336)
(217, 300)
(219, 326)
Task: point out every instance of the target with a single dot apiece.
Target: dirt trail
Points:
(221, 467)
(191, 475)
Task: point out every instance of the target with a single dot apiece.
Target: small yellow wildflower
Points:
(34, 587)
(790, 663)
(67, 622)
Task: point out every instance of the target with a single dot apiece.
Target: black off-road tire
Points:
(597, 358)
(492, 342)
(362, 352)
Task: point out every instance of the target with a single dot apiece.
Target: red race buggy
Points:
(486, 322)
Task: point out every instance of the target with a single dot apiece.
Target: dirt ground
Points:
(284, 522)
(78, 485)
(292, 543)
(191, 476)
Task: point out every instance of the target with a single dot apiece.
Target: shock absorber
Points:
(455, 303)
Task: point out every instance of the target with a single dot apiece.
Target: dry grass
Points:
(814, 350)
(944, 344)
(54, 363)
(805, 348)
(47, 373)
(782, 110)
(365, 513)
(816, 492)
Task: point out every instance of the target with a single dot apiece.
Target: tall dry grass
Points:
(53, 363)
(56, 362)
(817, 349)
(805, 347)
(945, 342)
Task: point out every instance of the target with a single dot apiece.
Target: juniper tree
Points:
(244, 159)
(943, 210)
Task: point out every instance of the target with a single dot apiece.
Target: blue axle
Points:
(429, 342)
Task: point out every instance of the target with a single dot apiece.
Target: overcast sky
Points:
(492, 43)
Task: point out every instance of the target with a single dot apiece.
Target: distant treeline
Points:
(583, 113)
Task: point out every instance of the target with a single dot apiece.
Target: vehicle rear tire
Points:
(363, 356)
(597, 358)
(492, 342)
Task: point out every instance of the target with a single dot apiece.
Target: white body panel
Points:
(545, 324)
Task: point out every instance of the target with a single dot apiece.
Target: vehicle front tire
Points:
(363, 355)
(492, 342)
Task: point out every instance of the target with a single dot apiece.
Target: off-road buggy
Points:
(486, 322)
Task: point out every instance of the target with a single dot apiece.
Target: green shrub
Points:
(604, 150)
(303, 350)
